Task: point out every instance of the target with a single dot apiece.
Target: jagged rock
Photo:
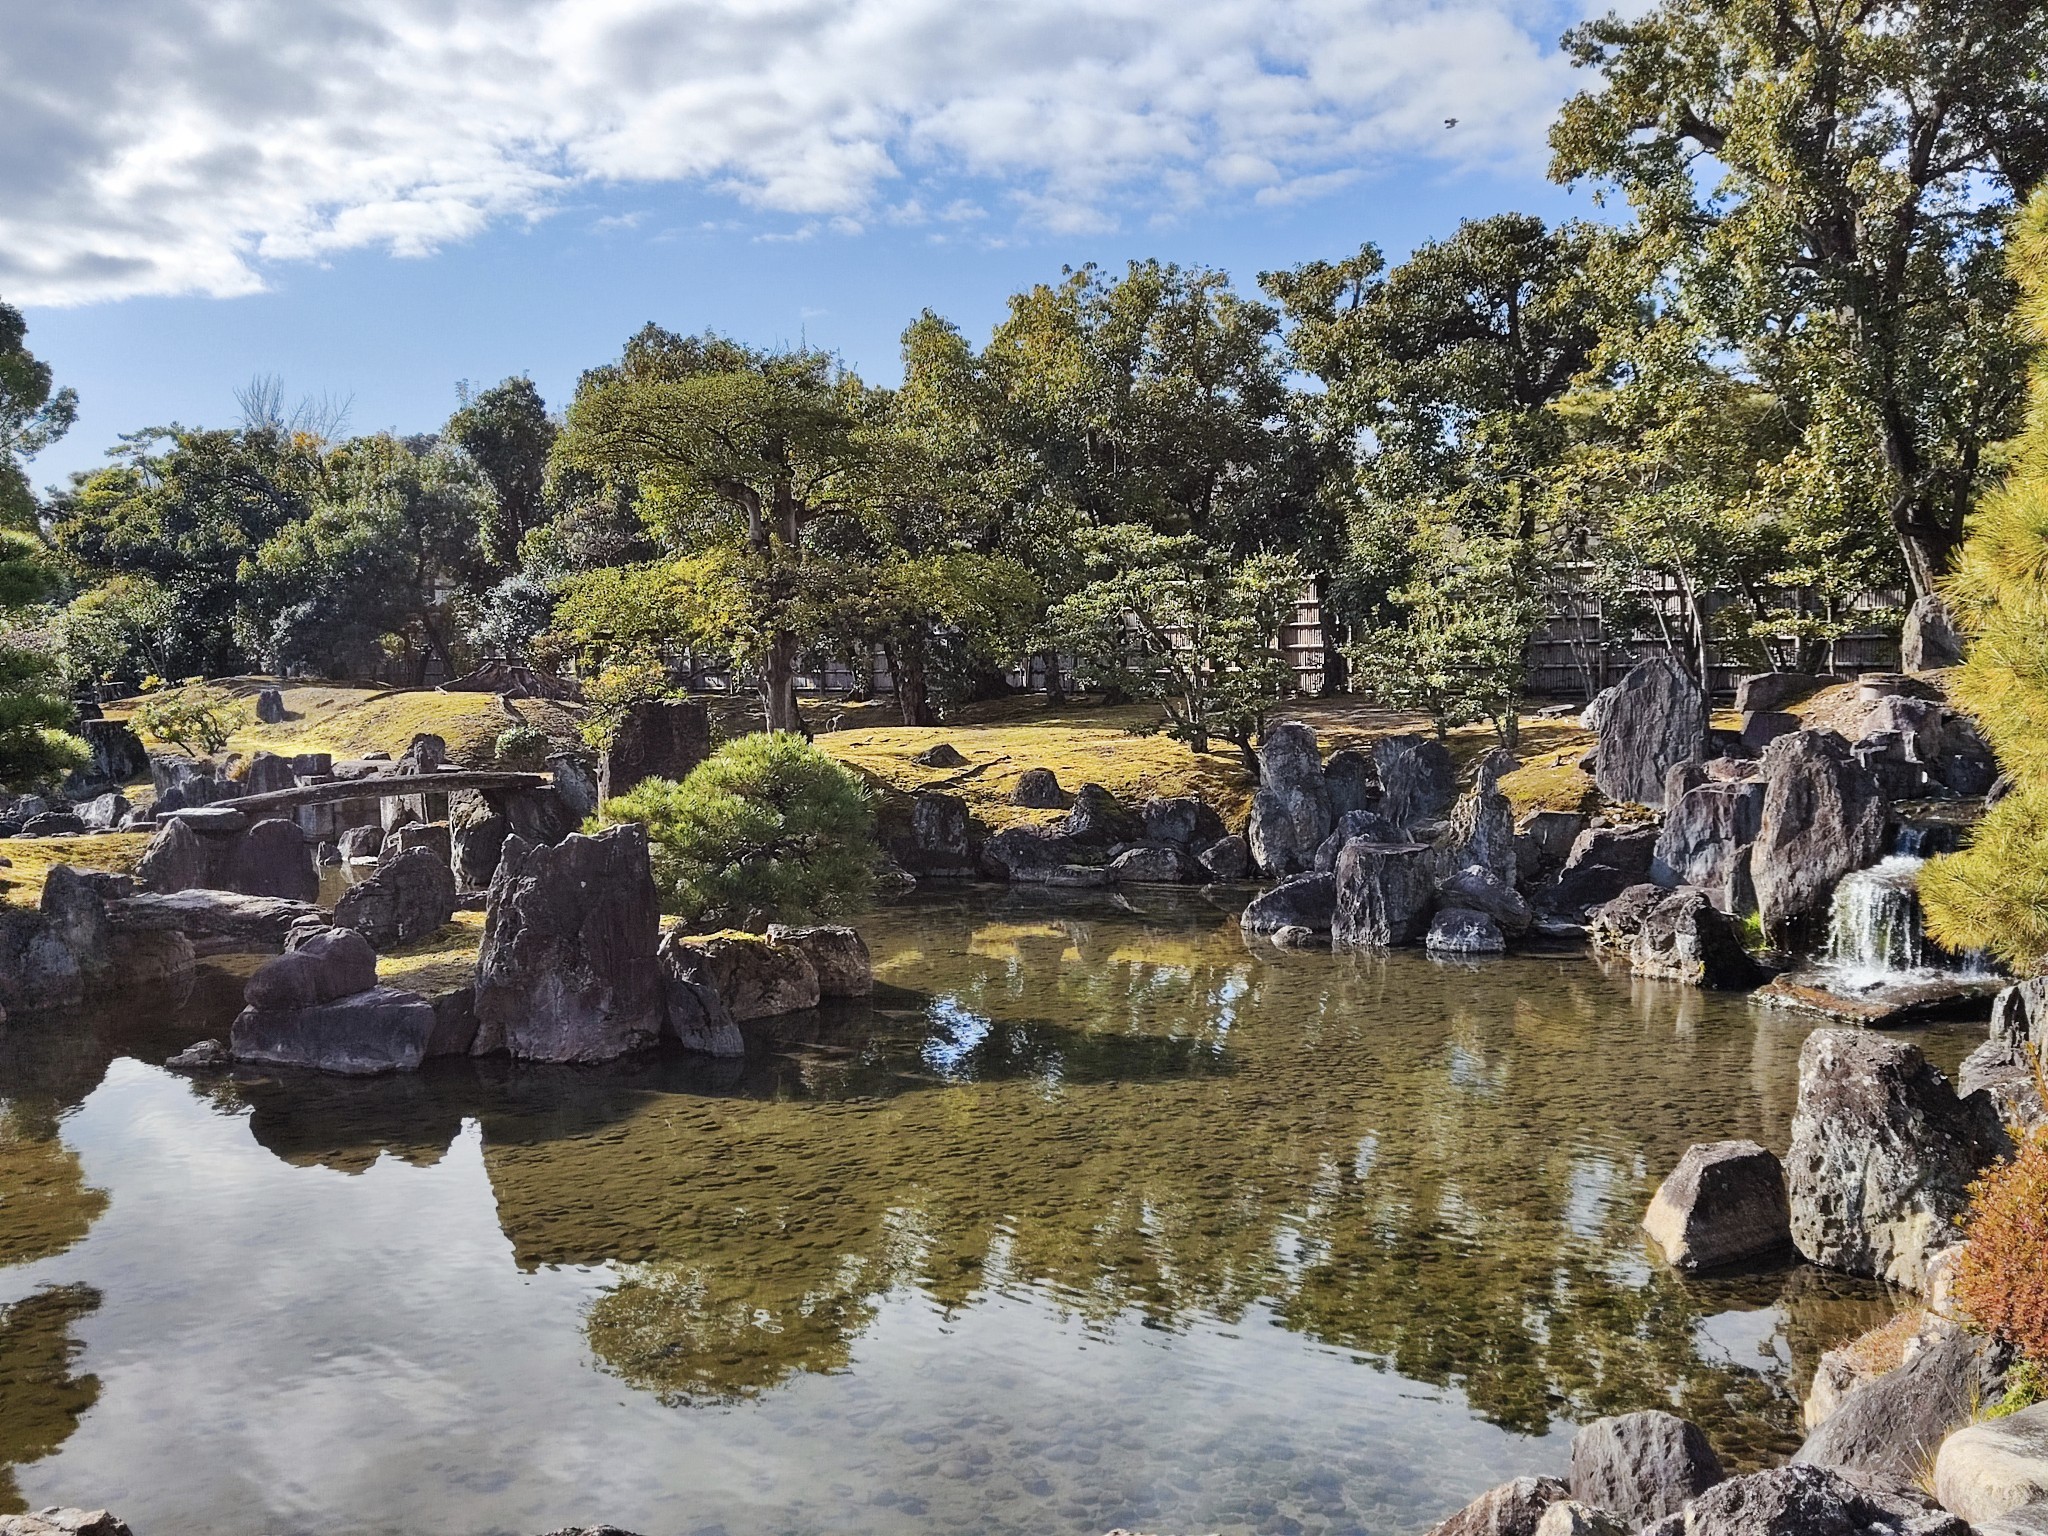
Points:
(1596, 708)
(694, 1015)
(426, 753)
(117, 756)
(1351, 781)
(754, 978)
(940, 841)
(267, 773)
(1613, 925)
(1890, 1426)
(361, 1035)
(1384, 894)
(454, 1022)
(1098, 818)
(1568, 1517)
(1883, 1152)
(1366, 824)
(1513, 1509)
(656, 739)
(1723, 1204)
(566, 970)
(1764, 692)
(313, 765)
(1039, 789)
(332, 963)
(408, 898)
(1642, 1466)
(218, 921)
(1418, 780)
(1762, 727)
(540, 816)
(361, 842)
(1181, 821)
(431, 835)
(1305, 901)
(1543, 841)
(1461, 931)
(1992, 1470)
(1807, 1501)
(53, 824)
(1918, 725)
(1685, 938)
(1705, 842)
(1655, 719)
(1227, 860)
(574, 779)
(1930, 639)
(1151, 865)
(476, 836)
(272, 859)
(201, 1056)
(1481, 890)
(103, 813)
(1291, 809)
(1604, 862)
(1823, 817)
(63, 1522)
(269, 706)
(944, 755)
(1041, 856)
(837, 953)
(2004, 1072)
(1480, 830)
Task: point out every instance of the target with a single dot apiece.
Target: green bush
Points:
(767, 828)
(521, 746)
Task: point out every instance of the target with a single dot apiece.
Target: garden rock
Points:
(1384, 894)
(754, 978)
(1823, 817)
(1705, 842)
(1480, 830)
(837, 953)
(1483, 891)
(1762, 727)
(1227, 860)
(1883, 1152)
(694, 1016)
(408, 898)
(200, 1056)
(1568, 1517)
(1032, 855)
(573, 777)
(433, 836)
(944, 755)
(1990, 1470)
(1543, 841)
(1642, 1466)
(1687, 939)
(1151, 865)
(267, 773)
(1351, 781)
(476, 837)
(1290, 814)
(1807, 1501)
(1180, 821)
(1596, 708)
(269, 706)
(454, 1022)
(1725, 1203)
(1762, 692)
(1655, 720)
(1098, 817)
(175, 860)
(1603, 862)
(1305, 901)
(64, 1522)
(217, 921)
(117, 756)
(656, 739)
(362, 842)
(1296, 938)
(1418, 780)
(1039, 789)
(1513, 1509)
(103, 813)
(566, 970)
(939, 835)
(1929, 639)
(426, 753)
(1890, 1426)
(361, 1035)
(1366, 824)
(272, 859)
(2003, 1071)
(1461, 931)
(330, 964)
(53, 824)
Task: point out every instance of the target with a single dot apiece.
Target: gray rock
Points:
(1687, 939)
(1762, 692)
(361, 842)
(1099, 818)
(426, 753)
(754, 978)
(408, 898)
(269, 706)
(313, 765)
(1890, 1427)
(544, 815)
(566, 970)
(2004, 1072)
(267, 773)
(1988, 1471)
(1596, 708)
(694, 1015)
(1305, 901)
(1655, 720)
(103, 813)
(1461, 931)
(1418, 780)
(454, 1022)
(1705, 842)
(1544, 841)
(1481, 890)
(1725, 1203)
(433, 836)
(1293, 937)
(1384, 894)
(1039, 789)
(1513, 1509)
(1042, 856)
(1366, 824)
(837, 953)
(476, 836)
(1227, 860)
(53, 824)
(1810, 1501)
(1291, 809)
(1604, 862)
(1883, 1152)
(1930, 639)
(574, 778)
(1642, 1466)
(657, 739)
(944, 755)
(272, 859)
(1823, 817)
(37, 968)
(117, 757)
(75, 913)
(221, 821)
(1152, 865)
(361, 1035)
(218, 921)
(940, 841)
(1568, 1517)
(201, 1056)
(1351, 781)
(63, 1522)
(1920, 726)
(1180, 821)
(1762, 727)
(1480, 830)
(330, 964)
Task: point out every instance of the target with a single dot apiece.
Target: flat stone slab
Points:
(214, 920)
(1891, 1006)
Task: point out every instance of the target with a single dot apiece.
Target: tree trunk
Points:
(1927, 544)
(913, 687)
(1055, 689)
(778, 684)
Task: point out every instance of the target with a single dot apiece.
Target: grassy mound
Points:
(32, 859)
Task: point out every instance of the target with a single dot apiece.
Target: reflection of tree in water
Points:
(45, 1205)
(1440, 1171)
(40, 1400)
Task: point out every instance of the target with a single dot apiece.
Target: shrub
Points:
(521, 746)
(768, 827)
(2025, 1385)
(614, 691)
(2002, 1277)
(195, 721)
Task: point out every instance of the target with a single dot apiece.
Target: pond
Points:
(1100, 1215)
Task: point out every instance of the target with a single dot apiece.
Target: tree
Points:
(32, 416)
(1170, 619)
(507, 434)
(732, 450)
(36, 744)
(1832, 179)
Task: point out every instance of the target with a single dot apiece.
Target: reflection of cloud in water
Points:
(958, 1029)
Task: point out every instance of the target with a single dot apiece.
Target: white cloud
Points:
(168, 146)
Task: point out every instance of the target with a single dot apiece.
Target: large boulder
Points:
(1890, 1426)
(117, 756)
(566, 970)
(330, 964)
(754, 977)
(1351, 781)
(266, 773)
(1705, 842)
(1367, 824)
(1480, 890)
(64, 1522)
(476, 836)
(1227, 860)
(1180, 821)
(1543, 841)
(657, 739)
(837, 953)
(360, 1035)
(1930, 639)
(1418, 780)
(217, 922)
(1642, 1466)
(1480, 830)
(1152, 864)
(269, 706)
(1687, 939)
(1655, 719)
(1807, 1501)
(408, 898)
(175, 859)
(1919, 726)
(1883, 1153)
(1462, 931)
(1823, 816)
(1725, 1203)
(1306, 901)
(1042, 856)
(940, 841)
(104, 812)
(694, 1015)
(274, 859)
(1993, 1470)
(1766, 692)
(1603, 862)
(1385, 893)
(1099, 819)
(1513, 1509)
(1291, 810)
(1039, 789)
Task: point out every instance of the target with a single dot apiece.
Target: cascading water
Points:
(1874, 930)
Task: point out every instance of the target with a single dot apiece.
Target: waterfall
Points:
(1874, 932)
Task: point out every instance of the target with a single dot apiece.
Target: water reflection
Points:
(1084, 1123)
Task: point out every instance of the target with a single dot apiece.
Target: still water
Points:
(1099, 1215)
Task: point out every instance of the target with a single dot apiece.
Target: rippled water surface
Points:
(1099, 1215)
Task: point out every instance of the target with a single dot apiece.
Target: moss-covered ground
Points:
(30, 860)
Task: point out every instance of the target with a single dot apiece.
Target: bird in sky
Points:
(1450, 122)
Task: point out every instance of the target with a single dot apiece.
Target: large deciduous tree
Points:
(1832, 178)
(506, 432)
(33, 415)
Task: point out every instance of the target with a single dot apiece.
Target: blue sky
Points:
(374, 199)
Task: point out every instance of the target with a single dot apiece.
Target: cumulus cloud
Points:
(176, 146)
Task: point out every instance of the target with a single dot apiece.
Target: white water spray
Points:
(1874, 930)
